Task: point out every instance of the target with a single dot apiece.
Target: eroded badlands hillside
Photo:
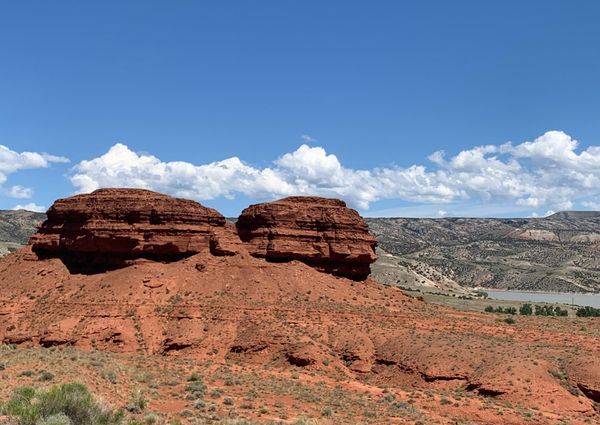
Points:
(16, 227)
(556, 253)
(138, 273)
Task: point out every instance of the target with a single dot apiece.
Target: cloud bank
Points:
(547, 172)
(31, 206)
(11, 162)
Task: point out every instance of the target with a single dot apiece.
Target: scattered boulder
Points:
(320, 232)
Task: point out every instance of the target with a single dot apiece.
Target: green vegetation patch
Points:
(65, 404)
(588, 312)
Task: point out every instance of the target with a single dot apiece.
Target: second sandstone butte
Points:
(320, 232)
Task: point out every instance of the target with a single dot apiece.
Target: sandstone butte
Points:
(111, 227)
(323, 233)
(133, 271)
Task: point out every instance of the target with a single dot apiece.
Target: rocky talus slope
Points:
(556, 253)
(224, 298)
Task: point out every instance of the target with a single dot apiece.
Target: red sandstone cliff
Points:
(321, 232)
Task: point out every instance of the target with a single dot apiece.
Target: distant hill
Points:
(557, 253)
(575, 214)
(16, 227)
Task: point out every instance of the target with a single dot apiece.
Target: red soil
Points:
(244, 310)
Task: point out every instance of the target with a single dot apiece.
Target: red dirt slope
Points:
(247, 310)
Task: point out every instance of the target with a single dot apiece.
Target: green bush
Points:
(526, 310)
(327, 412)
(544, 310)
(65, 404)
(194, 377)
(46, 376)
(510, 321)
(58, 419)
(588, 312)
(137, 404)
(196, 388)
(560, 312)
(500, 309)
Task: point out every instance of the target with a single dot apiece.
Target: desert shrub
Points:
(152, 419)
(65, 404)
(445, 401)
(306, 421)
(544, 310)
(526, 310)
(588, 311)
(46, 376)
(196, 388)
(327, 412)
(137, 404)
(510, 320)
(560, 311)
(110, 376)
(58, 419)
(194, 377)
(500, 309)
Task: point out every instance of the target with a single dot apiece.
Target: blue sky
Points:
(237, 102)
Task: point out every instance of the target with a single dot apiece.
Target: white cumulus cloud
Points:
(18, 191)
(308, 138)
(12, 161)
(547, 172)
(30, 207)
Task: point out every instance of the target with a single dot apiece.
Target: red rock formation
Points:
(321, 232)
(108, 227)
(238, 309)
(583, 373)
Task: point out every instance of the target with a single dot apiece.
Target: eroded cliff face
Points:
(320, 232)
(110, 227)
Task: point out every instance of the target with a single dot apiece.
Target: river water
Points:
(592, 300)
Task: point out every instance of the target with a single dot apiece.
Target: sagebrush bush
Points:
(65, 404)
(58, 419)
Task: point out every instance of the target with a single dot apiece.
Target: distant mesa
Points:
(321, 232)
(110, 228)
(573, 215)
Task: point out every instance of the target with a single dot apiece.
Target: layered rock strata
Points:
(108, 227)
(320, 232)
